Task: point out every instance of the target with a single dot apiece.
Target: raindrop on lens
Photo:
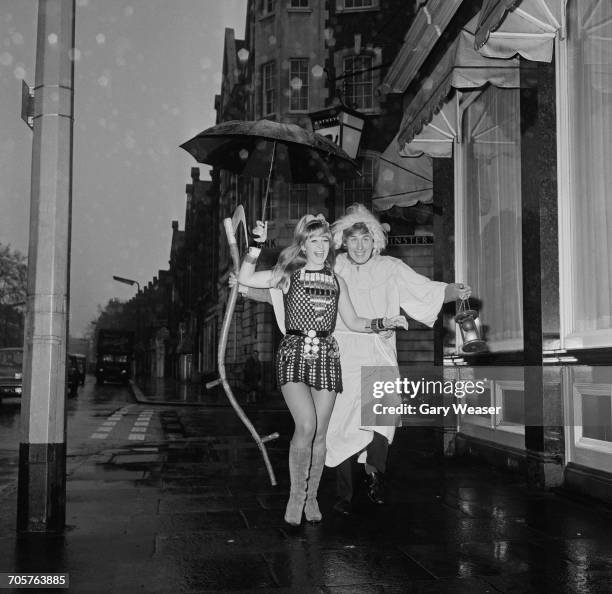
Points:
(317, 71)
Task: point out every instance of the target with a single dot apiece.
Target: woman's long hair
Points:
(292, 258)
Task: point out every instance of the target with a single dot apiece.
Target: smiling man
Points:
(378, 286)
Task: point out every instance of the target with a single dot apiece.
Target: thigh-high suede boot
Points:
(311, 510)
(299, 464)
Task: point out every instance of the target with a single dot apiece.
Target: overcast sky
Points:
(146, 75)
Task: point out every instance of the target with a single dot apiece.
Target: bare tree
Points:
(13, 291)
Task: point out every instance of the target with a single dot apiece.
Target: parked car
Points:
(11, 373)
(81, 363)
(11, 361)
(73, 376)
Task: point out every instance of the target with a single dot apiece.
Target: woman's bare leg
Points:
(302, 409)
(324, 403)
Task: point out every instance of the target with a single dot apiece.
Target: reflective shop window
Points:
(492, 189)
(590, 146)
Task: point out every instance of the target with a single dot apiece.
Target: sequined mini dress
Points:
(308, 352)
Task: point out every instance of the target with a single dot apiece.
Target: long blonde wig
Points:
(292, 257)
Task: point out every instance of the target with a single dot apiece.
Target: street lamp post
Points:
(341, 125)
(131, 282)
(41, 501)
(127, 281)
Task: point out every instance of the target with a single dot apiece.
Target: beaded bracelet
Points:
(377, 325)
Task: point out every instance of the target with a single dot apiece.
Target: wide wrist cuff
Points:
(377, 325)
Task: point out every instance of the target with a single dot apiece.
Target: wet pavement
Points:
(191, 509)
(168, 391)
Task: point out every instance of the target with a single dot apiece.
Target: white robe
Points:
(377, 289)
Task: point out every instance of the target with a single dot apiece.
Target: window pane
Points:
(299, 3)
(360, 188)
(513, 406)
(596, 417)
(298, 202)
(358, 88)
(268, 87)
(590, 96)
(298, 84)
(493, 214)
(357, 3)
(480, 400)
(266, 7)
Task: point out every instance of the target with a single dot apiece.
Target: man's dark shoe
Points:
(376, 491)
(343, 507)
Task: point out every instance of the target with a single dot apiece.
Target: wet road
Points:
(194, 512)
(99, 417)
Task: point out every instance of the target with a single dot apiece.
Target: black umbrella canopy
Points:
(249, 148)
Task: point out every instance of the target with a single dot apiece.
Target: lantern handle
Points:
(464, 304)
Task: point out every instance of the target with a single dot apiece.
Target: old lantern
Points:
(340, 124)
(469, 326)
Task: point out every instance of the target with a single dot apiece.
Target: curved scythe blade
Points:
(231, 225)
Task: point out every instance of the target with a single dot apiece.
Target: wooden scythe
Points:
(231, 225)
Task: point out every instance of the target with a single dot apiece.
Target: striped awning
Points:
(436, 138)
(525, 27)
(402, 180)
(461, 67)
(429, 23)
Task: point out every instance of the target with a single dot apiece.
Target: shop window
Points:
(360, 189)
(588, 143)
(268, 88)
(492, 214)
(588, 426)
(358, 81)
(298, 84)
(506, 425)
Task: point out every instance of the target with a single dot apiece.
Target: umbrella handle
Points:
(265, 204)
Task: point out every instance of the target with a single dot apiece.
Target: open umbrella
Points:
(269, 149)
(264, 149)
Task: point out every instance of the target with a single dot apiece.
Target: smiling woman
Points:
(308, 358)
